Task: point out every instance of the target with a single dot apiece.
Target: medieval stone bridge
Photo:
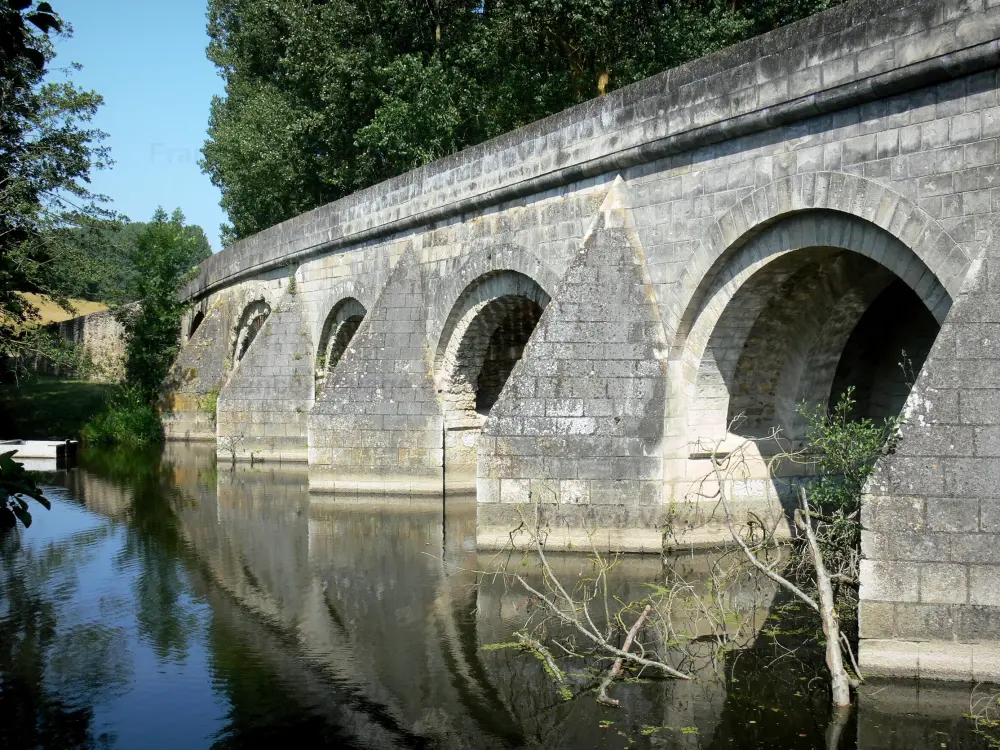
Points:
(574, 311)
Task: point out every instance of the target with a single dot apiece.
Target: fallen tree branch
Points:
(616, 668)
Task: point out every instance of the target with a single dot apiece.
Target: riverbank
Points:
(44, 407)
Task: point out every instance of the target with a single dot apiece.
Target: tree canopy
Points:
(99, 261)
(325, 97)
(47, 151)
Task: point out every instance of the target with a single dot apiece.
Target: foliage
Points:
(128, 418)
(325, 98)
(209, 404)
(96, 259)
(164, 256)
(16, 484)
(47, 151)
(843, 449)
(42, 407)
(846, 449)
(163, 259)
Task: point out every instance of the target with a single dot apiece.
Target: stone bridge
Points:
(577, 311)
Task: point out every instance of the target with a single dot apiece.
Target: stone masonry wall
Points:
(377, 425)
(101, 337)
(930, 594)
(263, 408)
(578, 428)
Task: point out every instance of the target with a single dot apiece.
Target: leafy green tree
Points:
(325, 98)
(47, 151)
(165, 255)
(96, 260)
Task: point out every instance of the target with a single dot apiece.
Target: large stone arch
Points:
(779, 308)
(484, 258)
(833, 191)
(483, 338)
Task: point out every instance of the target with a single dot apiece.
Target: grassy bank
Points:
(44, 408)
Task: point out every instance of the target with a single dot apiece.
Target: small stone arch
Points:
(251, 321)
(482, 341)
(339, 328)
(484, 258)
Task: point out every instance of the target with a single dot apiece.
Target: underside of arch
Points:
(341, 324)
(811, 305)
(483, 339)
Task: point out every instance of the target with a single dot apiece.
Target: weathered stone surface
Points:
(801, 209)
(263, 407)
(610, 477)
(377, 426)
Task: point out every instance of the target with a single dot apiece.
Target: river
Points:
(167, 602)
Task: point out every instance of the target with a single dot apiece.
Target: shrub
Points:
(128, 419)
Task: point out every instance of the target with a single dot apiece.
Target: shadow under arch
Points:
(196, 321)
(482, 340)
(795, 312)
(341, 324)
(251, 321)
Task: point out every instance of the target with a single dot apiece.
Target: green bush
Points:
(845, 449)
(128, 419)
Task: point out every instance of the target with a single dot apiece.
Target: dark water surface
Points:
(165, 603)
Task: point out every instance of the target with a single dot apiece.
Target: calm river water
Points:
(167, 603)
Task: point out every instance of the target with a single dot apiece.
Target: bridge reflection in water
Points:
(362, 624)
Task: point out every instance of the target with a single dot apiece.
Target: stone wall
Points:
(931, 578)
(718, 243)
(102, 339)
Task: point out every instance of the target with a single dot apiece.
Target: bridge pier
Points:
(578, 426)
(263, 407)
(800, 209)
(930, 580)
(377, 426)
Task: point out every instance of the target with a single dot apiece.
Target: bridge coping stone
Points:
(852, 53)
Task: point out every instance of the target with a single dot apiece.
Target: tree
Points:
(325, 98)
(96, 260)
(165, 254)
(47, 150)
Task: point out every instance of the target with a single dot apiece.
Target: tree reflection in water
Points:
(51, 675)
(307, 622)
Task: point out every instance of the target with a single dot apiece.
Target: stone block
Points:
(945, 661)
(943, 583)
(921, 622)
(892, 513)
(984, 585)
(976, 548)
(952, 514)
(889, 658)
(889, 581)
(876, 619)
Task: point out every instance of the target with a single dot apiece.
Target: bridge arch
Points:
(804, 298)
(837, 192)
(483, 258)
(339, 328)
(250, 322)
(481, 342)
(196, 320)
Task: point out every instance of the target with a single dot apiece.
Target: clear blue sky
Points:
(147, 58)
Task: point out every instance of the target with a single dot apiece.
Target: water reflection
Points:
(165, 603)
